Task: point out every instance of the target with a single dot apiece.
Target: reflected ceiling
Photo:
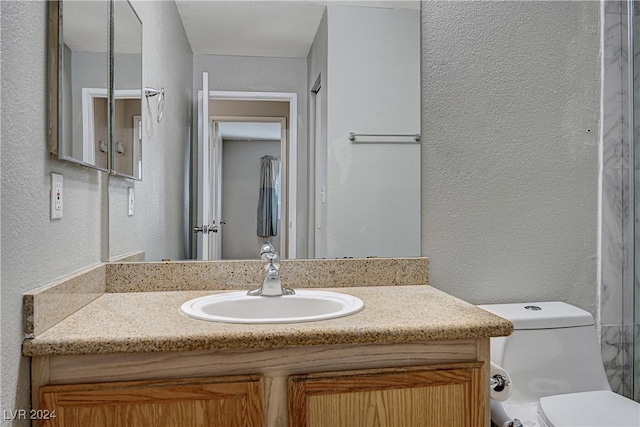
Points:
(282, 29)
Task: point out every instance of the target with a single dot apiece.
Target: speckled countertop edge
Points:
(151, 322)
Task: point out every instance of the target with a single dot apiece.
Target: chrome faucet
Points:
(272, 285)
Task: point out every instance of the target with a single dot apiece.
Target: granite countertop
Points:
(151, 322)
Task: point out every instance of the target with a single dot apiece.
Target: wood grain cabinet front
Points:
(219, 401)
(436, 395)
(435, 383)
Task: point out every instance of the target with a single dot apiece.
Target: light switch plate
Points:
(57, 193)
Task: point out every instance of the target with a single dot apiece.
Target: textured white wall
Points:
(510, 99)
(36, 250)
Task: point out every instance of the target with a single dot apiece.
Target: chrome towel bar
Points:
(352, 136)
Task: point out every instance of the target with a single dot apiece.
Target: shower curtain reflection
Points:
(268, 217)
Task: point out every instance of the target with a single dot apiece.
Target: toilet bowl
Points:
(557, 376)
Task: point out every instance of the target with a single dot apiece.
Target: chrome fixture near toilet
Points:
(498, 382)
(272, 285)
(557, 376)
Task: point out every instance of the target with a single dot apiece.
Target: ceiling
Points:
(284, 29)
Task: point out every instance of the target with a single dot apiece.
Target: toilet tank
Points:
(552, 350)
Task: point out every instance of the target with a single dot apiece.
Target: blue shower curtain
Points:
(269, 200)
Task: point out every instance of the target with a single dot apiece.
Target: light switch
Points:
(57, 192)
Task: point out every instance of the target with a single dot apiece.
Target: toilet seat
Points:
(589, 409)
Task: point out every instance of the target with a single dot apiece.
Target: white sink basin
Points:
(303, 306)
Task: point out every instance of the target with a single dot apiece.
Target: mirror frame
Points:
(53, 65)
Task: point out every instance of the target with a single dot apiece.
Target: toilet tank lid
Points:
(541, 315)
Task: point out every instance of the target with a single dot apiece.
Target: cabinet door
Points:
(438, 396)
(222, 401)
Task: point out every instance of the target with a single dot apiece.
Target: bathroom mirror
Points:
(79, 64)
(126, 144)
(347, 167)
(81, 130)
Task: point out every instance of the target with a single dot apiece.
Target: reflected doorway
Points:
(249, 185)
(256, 107)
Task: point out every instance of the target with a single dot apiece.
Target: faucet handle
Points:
(270, 256)
(273, 261)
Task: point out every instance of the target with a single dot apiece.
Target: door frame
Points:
(290, 153)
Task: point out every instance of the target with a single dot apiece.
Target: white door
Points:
(215, 191)
(206, 227)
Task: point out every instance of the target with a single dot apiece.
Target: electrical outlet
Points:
(57, 193)
(132, 199)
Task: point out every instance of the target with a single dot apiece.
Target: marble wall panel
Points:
(617, 225)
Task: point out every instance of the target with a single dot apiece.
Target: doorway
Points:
(228, 108)
(249, 148)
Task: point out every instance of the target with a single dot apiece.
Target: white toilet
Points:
(557, 376)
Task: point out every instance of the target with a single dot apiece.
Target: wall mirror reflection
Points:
(355, 68)
(126, 149)
(79, 71)
(85, 127)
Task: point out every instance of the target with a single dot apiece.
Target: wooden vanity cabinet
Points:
(220, 401)
(438, 396)
(435, 383)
